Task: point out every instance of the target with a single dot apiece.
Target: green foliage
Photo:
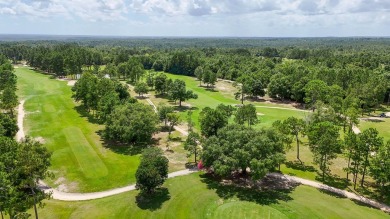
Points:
(173, 120)
(141, 88)
(380, 166)
(163, 111)
(211, 120)
(8, 126)
(177, 91)
(192, 145)
(152, 171)
(370, 144)
(22, 165)
(246, 114)
(131, 123)
(324, 143)
(160, 81)
(236, 148)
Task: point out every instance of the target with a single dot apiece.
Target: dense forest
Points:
(305, 70)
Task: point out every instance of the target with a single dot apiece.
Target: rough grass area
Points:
(196, 196)
(81, 161)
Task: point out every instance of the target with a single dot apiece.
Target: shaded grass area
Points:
(197, 196)
(80, 162)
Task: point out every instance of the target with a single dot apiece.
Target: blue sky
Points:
(246, 18)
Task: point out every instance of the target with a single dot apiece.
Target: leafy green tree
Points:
(380, 166)
(152, 170)
(192, 145)
(85, 90)
(178, 92)
(324, 143)
(107, 104)
(163, 111)
(279, 87)
(150, 79)
(23, 164)
(199, 74)
(228, 110)
(173, 120)
(237, 148)
(294, 127)
(315, 90)
(211, 120)
(131, 123)
(159, 83)
(141, 88)
(9, 100)
(246, 114)
(8, 126)
(370, 142)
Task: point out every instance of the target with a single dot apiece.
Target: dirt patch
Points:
(71, 82)
(40, 140)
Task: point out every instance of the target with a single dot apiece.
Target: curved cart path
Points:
(63, 196)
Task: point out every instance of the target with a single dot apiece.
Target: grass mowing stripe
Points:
(89, 162)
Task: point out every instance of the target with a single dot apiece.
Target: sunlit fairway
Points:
(80, 162)
(224, 93)
(195, 196)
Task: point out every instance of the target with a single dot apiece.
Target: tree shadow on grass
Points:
(262, 196)
(333, 180)
(83, 113)
(123, 148)
(184, 108)
(152, 201)
(299, 166)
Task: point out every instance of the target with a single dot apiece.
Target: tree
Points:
(192, 145)
(173, 120)
(107, 104)
(8, 126)
(141, 88)
(315, 90)
(211, 120)
(131, 123)
(163, 111)
(380, 166)
(159, 83)
(152, 170)
(246, 113)
(199, 74)
(370, 142)
(324, 143)
(237, 148)
(23, 164)
(178, 92)
(9, 100)
(294, 127)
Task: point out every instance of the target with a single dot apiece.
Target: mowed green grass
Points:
(79, 161)
(212, 98)
(383, 127)
(195, 196)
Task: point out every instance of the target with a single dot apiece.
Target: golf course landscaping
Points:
(196, 196)
(83, 162)
(80, 161)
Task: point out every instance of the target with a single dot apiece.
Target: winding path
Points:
(20, 134)
(63, 196)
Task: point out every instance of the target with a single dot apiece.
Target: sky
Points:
(203, 18)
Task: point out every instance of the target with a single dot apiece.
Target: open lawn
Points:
(195, 196)
(80, 161)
